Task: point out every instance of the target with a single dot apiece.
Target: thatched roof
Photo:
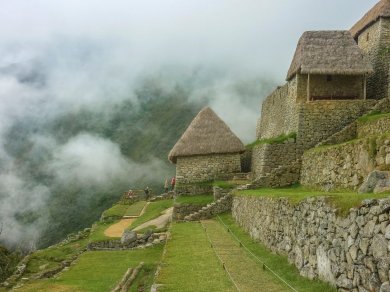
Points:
(207, 134)
(381, 9)
(328, 52)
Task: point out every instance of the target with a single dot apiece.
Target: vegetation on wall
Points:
(276, 140)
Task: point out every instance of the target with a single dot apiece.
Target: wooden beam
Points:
(308, 87)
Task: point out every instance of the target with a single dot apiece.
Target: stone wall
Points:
(373, 127)
(222, 205)
(276, 164)
(278, 112)
(345, 165)
(203, 168)
(352, 253)
(373, 41)
(318, 120)
(182, 210)
(338, 86)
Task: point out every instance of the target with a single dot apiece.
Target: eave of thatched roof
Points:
(207, 134)
(381, 9)
(328, 52)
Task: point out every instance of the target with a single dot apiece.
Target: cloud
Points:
(58, 58)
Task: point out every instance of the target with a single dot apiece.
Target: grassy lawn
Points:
(97, 233)
(247, 273)
(153, 211)
(102, 270)
(116, 211)
(190, 263)
(135, 209)
(277, 263)
(342, 200)
(49, 258)
(373, 117)
(195, 200)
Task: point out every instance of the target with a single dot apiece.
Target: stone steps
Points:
(241, 176)
(219, 206)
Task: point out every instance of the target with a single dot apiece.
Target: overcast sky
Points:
(244, 35)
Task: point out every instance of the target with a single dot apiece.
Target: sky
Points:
(247, 35)
(79, 53)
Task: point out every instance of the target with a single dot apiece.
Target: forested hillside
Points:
(145, 129)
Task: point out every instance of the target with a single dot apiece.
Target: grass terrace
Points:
(102, 270)
(135, 209)
(154, 210)
(276, 140)
(195, 200)
(374, 116)
(277, 263)
(342, 200)
(190, 264)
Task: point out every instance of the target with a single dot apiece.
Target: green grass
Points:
(190, 264)
(153, 211)
(342, 200)
(102, 270)
(224, 184)
(116, 211)
(246, 271)
(277, 263)
(50, 258)
(374, 116)
(135, 209)
(276, 140)
(97, 233)
(195, 200)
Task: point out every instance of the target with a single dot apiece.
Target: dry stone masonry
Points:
(352, 252)
(206, 167)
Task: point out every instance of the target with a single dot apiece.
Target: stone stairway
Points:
(280, 176)
(241, 176)
(349, 132)
(221, 205)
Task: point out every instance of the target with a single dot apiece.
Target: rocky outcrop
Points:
(377, 182)
(352, 253)
(141, 240)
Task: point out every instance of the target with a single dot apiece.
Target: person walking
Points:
(147, 191)
(173, 183)
(166, 185)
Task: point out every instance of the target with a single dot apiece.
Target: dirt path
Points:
(247, 273)
(117, 229)
(159, 222)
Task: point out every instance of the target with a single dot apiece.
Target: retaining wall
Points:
(345, 165)
(275, 164)
(279, 112)
(202, 168)
(373, 127)
(352, 253)
(319, 120)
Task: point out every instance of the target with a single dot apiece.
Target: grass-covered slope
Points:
(342, 200)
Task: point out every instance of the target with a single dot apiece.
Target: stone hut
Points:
(207, 150)
(328, 65)
(372, 33)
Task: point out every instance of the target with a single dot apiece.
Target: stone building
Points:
(328, 65)
(372, 33)
(207, 150)
(325, 92)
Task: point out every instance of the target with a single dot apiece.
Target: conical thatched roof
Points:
(381, 9)
(328, 52)
(207, 134)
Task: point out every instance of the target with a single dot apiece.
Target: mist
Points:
(72, 71)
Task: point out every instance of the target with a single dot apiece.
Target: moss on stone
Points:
(276, 140)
